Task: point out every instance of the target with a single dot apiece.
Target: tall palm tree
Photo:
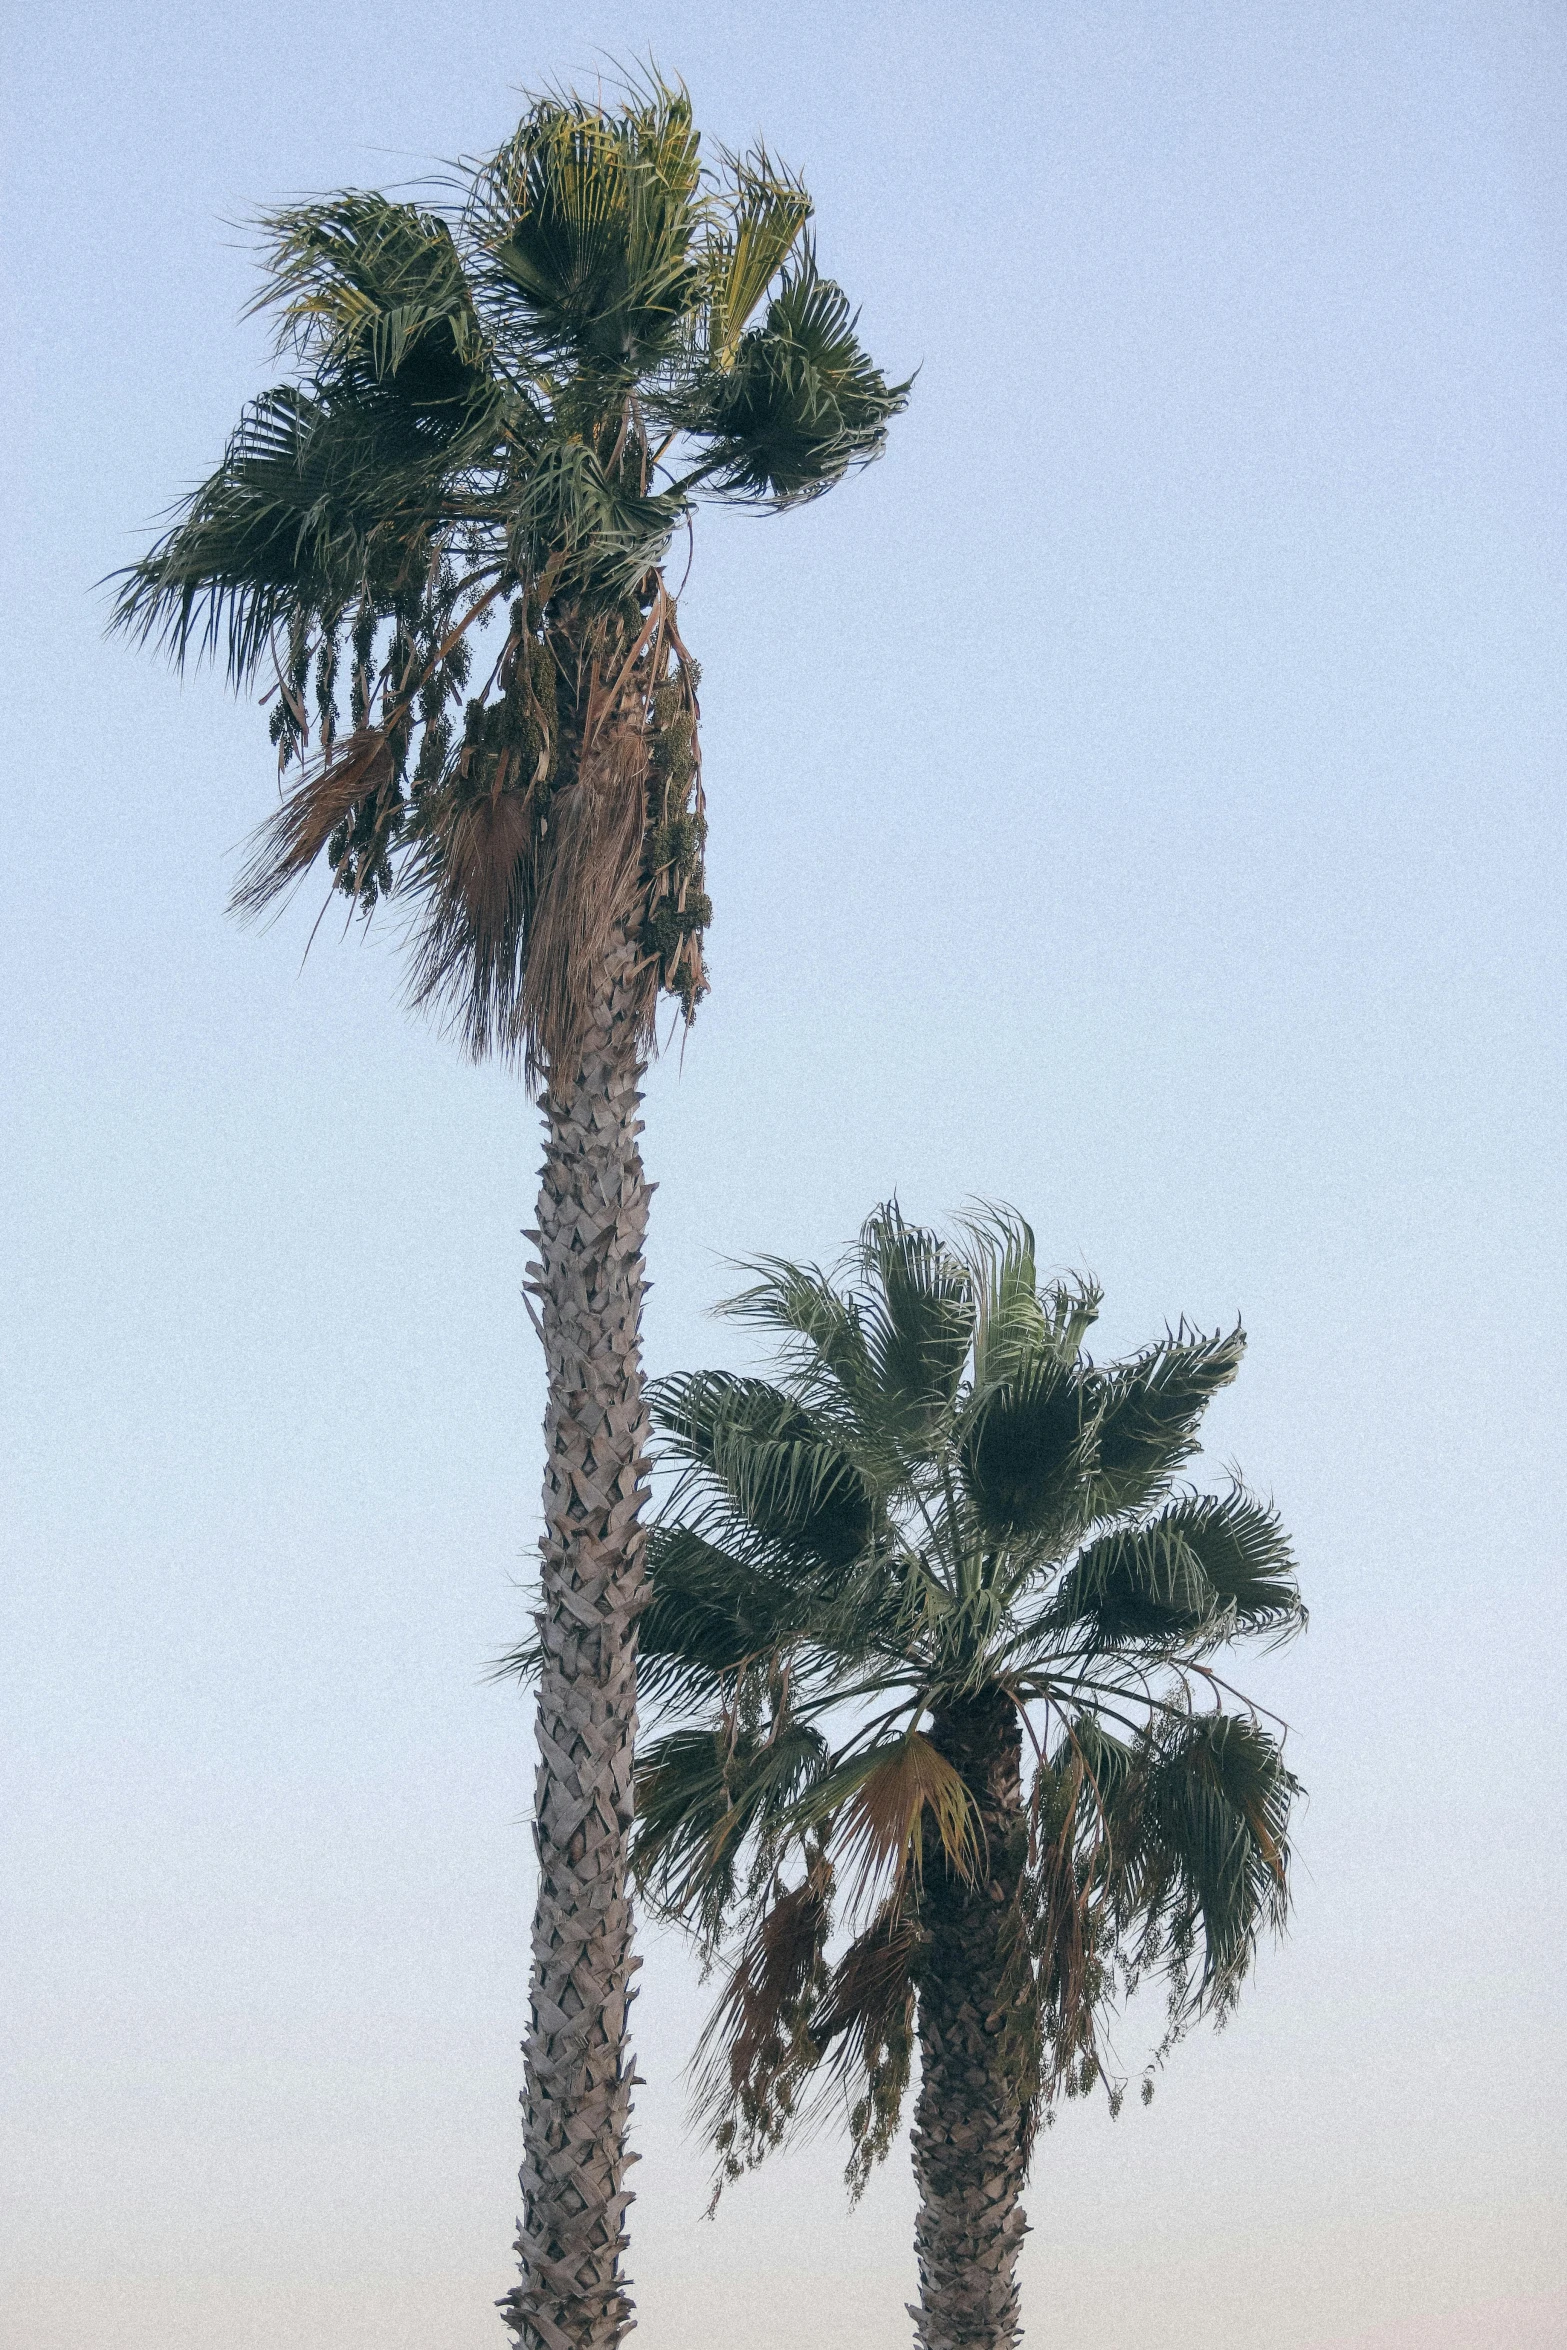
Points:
(500, 412)
(945, 1756)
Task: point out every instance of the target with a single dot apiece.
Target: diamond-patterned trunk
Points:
(577, 2098)
(968, 2124)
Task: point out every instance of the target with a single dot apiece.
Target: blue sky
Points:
(1139, 797)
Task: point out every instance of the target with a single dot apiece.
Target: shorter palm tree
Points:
(944, 1757)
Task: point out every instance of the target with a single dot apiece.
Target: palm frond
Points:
(1214, 1858)
(713, 1615)
(591, 217)
(703, 1797)
(886, 1794)
(1245, 1556)
(1019, 1319)
(799, 404)
(1149, 1410)
(1135, 1584)
(269, 534)
(1025, 1451)
(763, 215)
(363, 283)
(800, 1303)
(1209, 1566)
(916, 1320)
(318, 501)
(780, 1465)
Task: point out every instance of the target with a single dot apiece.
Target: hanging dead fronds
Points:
(588, 866)
(865, 2028)
(757, 2046)
(347, 785)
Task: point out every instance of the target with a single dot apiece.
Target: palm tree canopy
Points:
(942, 1499)
(507, 406)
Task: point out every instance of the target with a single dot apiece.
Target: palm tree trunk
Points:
(577, 2097)
(968, 2140)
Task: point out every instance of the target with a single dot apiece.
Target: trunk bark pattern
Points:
(968, 2137)
(577, 2099)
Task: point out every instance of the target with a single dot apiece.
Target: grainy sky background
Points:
(1139, 797)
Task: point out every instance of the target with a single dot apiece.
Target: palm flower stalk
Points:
(945, 1758)
(440, 544)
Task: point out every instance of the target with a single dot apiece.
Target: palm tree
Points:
(501, 411)
(932, 1639)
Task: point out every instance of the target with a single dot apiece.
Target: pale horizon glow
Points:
(1139, 797)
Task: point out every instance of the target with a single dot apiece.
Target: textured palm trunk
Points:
(577, 2098)
(968, 2137)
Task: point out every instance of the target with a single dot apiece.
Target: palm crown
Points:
(507, 408)
(943, 1519)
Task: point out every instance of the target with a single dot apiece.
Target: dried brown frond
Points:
(870, 1979)
(883, 1818)
(865, 2027)
(757, 2045)
(472, 934)
(1056, 1977)
(288, 844)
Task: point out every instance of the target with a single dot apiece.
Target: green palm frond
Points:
(917, 1324)
(319, 501)
(1019, 1318)
(1208, 1854)
(799, 404)
(1245, 1556)
(300, 508)
(362, 283)
(708, 1804)
(1149, 1411)
(781, 1466)
(883, 1359)
(711, 1618)
(1208, 1565)
(819, 1323)
(1135, 1584)
(1026, 1450)
(593, 220)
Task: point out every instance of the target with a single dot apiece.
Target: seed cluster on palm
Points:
(442, 541)
(944, 1756)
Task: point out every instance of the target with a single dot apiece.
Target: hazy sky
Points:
(1138, 797)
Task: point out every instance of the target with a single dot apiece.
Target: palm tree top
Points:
(506, 402)
(594, 269)
(942, 1505)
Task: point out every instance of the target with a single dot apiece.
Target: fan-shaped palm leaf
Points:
(780, 1466)
(1149, 1410)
